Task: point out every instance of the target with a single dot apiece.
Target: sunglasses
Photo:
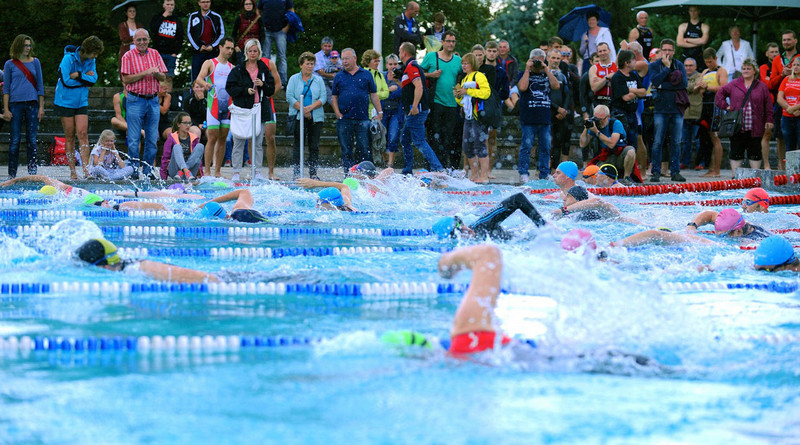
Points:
(784, 264)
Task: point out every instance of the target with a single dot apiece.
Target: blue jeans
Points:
(169, 62)
(671, 124)
(414, 131)
(29, 111)
(791, 132)
(690, 142)
(393, 121)
(280, 51)
(345, 130)
(529, 133)
(142, 114)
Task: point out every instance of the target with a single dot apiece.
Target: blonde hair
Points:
(106, 134)
(471, 60)
(250, 43)
(368, 56)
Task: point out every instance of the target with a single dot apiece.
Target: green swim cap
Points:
(92, 200)
(405, 338)
(220, 185)
(351, 182)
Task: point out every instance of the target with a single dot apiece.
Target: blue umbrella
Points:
(573, 25)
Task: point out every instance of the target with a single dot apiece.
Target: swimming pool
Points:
(291, 352)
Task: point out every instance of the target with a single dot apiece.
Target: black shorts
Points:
(742, 142)
(70, 112)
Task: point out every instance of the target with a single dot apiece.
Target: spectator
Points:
(668, 77)
(757, 114)
(781, 68)
(353, 90)
(733, 52)
(276, 25)
(435, 33)
(142, 69)
(614, 149)
(213, 77)
(164, 104)
(251, 83)
(560, 102)
(648, 129)
(197, 107)
(126, 30)
(641, 33)
(312, 88)
(370, 61)
(692, 36)
(626, 90)
(442, 69)
(714, 78)
(23, 98)
(323, 57)
(167, 32)
(501, 91)
(332, 66)
(76, 74)
(271, 123)
(183, 153)
(474, 88)
(789, 100)
(641, 66)
(535, 84)
(415, 106)
(205, 32)
(505, 59)
(764, 73)
(393, 116)
(406, 28)
(691, 117)
(585, 91)
(590, 43)
(106, 162)
(246, 26)
(600, 75)
(119, 122)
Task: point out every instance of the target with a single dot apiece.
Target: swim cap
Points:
(610, 171)
(177, 186)
(727, 220)
(48, 190)
(773, 251)
(758, 195)
(365, 168)
(92, 200)
(213, 210)
(405, 338)
(331, 195)
(578, 192)
(576, 238)
(569, 168)
(220, 185)
(98, 252)
(351, 182)
(590, 171)
(445, 226)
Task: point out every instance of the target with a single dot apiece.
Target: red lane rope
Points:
(774, 200)
(783, 179)
(785, 230)
(643, 190)
(755, 247)
(469, 192)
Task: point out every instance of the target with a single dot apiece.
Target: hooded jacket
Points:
(195, 28)
(74, 93)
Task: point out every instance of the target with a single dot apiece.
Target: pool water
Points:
(623, 354)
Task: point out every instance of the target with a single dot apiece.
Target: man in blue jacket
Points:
(667, 77)
(276, 25)
(205, 31)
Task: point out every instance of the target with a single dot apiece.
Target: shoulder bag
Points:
(731, 123)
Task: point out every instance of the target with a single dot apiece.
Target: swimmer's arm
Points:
(176, 274)
(385, 173)
(36, 178)
(243, 198)
(343, 189)
(659, 236)
(135, 205)
(701, 219)
(486, 262)
(593, 203)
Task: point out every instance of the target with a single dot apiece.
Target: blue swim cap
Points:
(773, 251)
(213, 210)
(569, 168)
(331, 195)
(445, 226)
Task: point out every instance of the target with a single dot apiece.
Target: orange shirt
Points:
(791, 92)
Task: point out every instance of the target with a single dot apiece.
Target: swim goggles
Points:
(457, 227)
(788, 262)
(749, 202)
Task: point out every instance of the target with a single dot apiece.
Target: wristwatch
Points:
(693, 224)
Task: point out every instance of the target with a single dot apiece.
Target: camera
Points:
(537, 64)
(589, 123)
(398, 72)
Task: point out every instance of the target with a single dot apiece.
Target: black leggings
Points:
(489, 223)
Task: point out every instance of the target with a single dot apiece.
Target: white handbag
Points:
(246, 122)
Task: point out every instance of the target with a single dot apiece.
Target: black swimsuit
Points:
(248, 216)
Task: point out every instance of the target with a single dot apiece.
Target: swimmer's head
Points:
(220, 185)
(366, 168)
(425, 179)
(755, 200)
(609, 170)
(401, 339)
(330, 195)
(351, 182)
(579, 238)
(569, 168)
(98, 252)
(727, 221)
(775, 254)
(48, 190)
(213, 210)
(590, 174)
(94, 200)
(579, 193)
(177, 186)
(447, 226)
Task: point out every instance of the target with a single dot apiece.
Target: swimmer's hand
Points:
(308, 182)
(448, 269)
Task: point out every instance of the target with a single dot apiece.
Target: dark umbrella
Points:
(145, 10)
(573, 25)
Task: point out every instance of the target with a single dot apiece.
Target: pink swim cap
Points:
(727, 220)
(576, 238)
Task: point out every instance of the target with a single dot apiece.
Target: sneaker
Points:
(655, 178)
(236, 177)
(524, 179)
(626, 181)
(227, 163)
(678, 178)
(189, 176)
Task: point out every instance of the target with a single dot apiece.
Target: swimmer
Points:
(174, 191)
(755, 200)
(334, 196)
(103, 253)
(489, 223)
(728, 222)
(590, 174)
(95, 200)
(776, 254)
(580, 206)
(607, 177)
(564, 178)
(242, 210)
